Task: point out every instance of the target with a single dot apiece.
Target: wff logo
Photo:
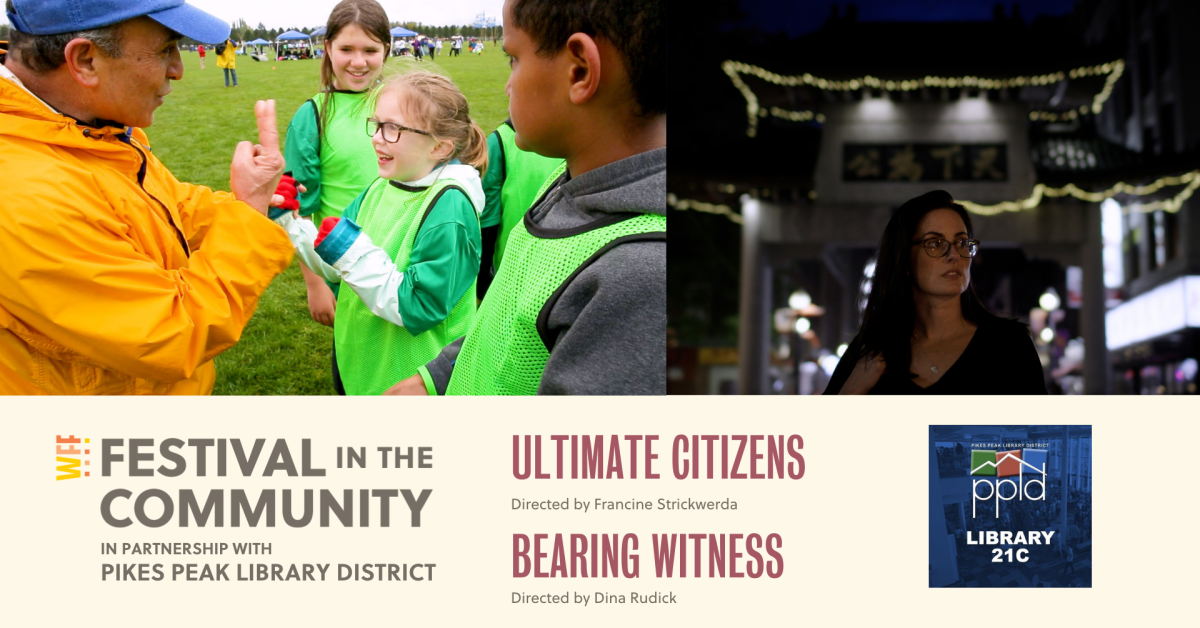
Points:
(1003, 464)
(68, 468)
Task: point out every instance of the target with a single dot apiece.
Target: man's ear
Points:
(83, 61)
(583, 55)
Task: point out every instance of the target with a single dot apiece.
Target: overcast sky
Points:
(313, 13)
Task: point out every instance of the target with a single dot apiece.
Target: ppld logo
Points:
(68, 467)
(1017, 463)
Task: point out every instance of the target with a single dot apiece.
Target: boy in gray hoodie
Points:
(579, 305)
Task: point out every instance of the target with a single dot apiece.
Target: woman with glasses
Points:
(924, 330)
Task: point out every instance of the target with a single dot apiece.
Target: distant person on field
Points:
(118, 278)
(579, 303)
(227, 60)
(202, 53)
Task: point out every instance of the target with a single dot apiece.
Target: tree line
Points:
(240, 31)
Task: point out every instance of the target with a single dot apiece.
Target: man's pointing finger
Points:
(268, 134)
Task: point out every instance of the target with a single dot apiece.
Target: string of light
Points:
(720, 210)
(1190, 180)
(735, 69)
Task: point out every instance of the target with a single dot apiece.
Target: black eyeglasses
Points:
(391, 131)
(938, 247)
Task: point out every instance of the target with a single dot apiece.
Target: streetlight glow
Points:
(799, 300)
(1049, 300)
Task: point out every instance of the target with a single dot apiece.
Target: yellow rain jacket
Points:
(228, 59)
(115, 278)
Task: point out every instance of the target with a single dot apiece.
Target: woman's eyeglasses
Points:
(391, 131)
(938, 247)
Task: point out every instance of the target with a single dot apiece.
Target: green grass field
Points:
(282, 351)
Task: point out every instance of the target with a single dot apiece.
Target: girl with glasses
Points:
(924, 330)
(407, 249)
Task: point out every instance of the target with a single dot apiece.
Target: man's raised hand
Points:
(256, 168)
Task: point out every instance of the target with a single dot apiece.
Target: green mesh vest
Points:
(505, 353)
(348, 163)
(372, 353)
(525, 176)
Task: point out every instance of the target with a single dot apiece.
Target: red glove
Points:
(327, 225)
(287, 189)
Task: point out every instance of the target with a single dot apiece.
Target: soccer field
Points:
(282, 351)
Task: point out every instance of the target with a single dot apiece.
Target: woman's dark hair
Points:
(371, 18)
(887, 324)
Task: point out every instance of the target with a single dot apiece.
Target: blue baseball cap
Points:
(55, 17)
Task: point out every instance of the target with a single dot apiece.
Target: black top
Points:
(999, 360)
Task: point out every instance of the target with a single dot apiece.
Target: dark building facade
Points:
(1153, 339)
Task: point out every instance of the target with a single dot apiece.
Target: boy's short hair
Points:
(635, 27)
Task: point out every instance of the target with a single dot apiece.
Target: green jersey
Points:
(508, 346)
(432, 234)
(331, 155)
(512, 183)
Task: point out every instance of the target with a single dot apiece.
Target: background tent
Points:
(400, 31)
(258, 42)
(288, 36)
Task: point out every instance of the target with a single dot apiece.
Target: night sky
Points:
(804, 16)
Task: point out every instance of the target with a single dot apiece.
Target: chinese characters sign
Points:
(924, 162)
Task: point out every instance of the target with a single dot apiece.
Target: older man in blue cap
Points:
(117, 277)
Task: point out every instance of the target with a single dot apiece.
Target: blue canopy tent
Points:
(289, 36)
(398, 32)
(318, 36)
(258, 42)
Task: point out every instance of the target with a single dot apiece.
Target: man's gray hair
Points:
(44, 53)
